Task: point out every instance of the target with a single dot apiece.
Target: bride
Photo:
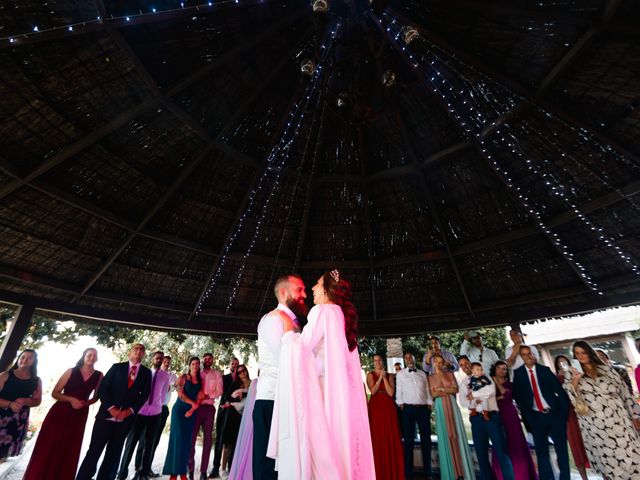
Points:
(320, 427)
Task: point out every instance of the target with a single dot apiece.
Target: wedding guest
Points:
(20, 389)
(122, 392)
(241, 469)
(65, 422)
(166, 398)
(146, 423)
(609, 418)
(523, 467)
(397, 367)
(545, 406)
(211, 389)
(477, 381)
(462, 377)
(512, 353)
(637, 371)
(183, 420)
(450, 362)
(453, 448)
(562, 365)
(414, 400)
(383, 421)
(482, 430)
(231, 408)
(227, 385)
(619, 369)
(473, 348)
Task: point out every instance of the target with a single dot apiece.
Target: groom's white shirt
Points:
(270, 331)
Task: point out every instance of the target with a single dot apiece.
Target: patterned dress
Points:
(610, 438)
(13, 426)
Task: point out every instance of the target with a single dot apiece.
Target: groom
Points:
(289, 291)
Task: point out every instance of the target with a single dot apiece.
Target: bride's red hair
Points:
(339, 292)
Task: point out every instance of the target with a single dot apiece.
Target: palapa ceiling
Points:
(162, 164)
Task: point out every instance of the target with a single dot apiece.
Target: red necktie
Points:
(132, 376)
(536, 393)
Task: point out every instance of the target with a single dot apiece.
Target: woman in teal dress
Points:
(182, 420)
(453, 448)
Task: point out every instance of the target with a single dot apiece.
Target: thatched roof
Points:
(136, 176)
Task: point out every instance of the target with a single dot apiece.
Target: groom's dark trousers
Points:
(263, 466)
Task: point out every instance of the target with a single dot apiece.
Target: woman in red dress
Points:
(383, 421)
(57, 450)
(573, 429)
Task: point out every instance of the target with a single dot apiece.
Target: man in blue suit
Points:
(122, 392)
(545, 407)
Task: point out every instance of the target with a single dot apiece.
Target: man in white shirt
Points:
(512, 354)
(482, 430)
(414, 400)
(205, 414)
(290, 293)
(473, 348)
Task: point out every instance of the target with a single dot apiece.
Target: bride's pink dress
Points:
(320, 426)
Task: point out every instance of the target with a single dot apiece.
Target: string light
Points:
(464, 106)
(129, 19)
(275, 163)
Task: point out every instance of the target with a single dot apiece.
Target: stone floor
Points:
(14, 468)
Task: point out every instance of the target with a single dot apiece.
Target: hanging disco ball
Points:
(320, 6)
(307, 66)
(388, 78)
(342, 99)
(409, 34)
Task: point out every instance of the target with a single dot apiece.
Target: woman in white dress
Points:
(610, 423)
(320, 426)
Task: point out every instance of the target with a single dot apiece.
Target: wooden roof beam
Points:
(183, 176)
(515, 86)
(106, 23)
(241, 208)
(577, 49)
(169, 192)
(433, 208)
(125, 117)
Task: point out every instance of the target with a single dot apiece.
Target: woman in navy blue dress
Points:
(182, 420)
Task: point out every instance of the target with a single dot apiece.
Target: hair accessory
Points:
(335, 274)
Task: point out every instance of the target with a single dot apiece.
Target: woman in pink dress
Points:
(523, 467)
(320, 427)
(573, 428)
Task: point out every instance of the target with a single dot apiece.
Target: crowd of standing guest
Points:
(590, 408)
(586, 402)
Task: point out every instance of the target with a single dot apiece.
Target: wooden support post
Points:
(15, 335)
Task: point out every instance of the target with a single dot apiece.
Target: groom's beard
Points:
(299, 308)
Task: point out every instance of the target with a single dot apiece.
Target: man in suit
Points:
(123, 391)
(545, 406)
(145, 424)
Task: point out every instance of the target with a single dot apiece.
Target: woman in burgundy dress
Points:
(573, 428)
(383, 422)
(523, 467)
(57, 450)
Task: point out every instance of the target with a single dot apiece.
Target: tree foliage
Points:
(495, 338)
(181, 346)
